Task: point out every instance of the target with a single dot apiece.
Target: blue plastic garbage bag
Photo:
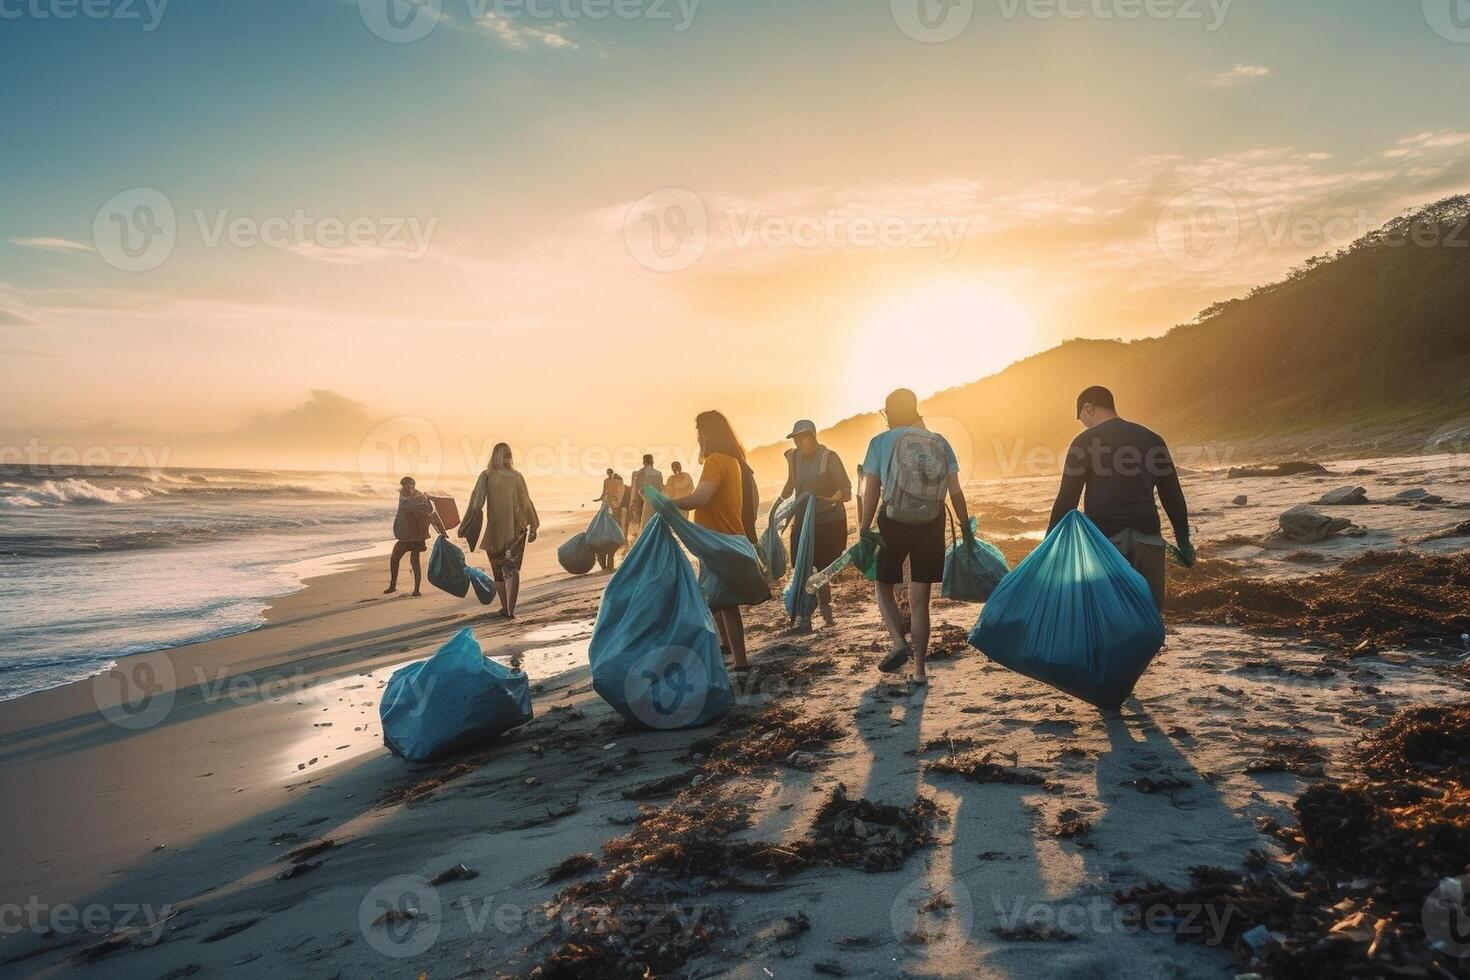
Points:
(798, 602)
(772, 548)
(655, 654)
(576, 555)
(604, 534)
(972, 568)
(729, 572)
(453, 699)
(482, 583)
(1074, 615)
(447, 568)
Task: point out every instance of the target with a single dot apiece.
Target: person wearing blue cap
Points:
(813, 468)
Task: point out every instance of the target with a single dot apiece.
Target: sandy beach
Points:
(250, 818)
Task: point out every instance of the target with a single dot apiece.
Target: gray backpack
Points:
(919, 478)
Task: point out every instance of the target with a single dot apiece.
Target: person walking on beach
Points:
(907, 472)
(680, 484)
(813, 468)
(410, 530)
(613, 492)
(640, 510)
(718, 503)
(510, 523)
(1121, 465)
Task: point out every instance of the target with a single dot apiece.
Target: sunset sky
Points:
(841, 207)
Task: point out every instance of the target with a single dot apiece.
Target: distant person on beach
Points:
(1121, 465)
(641, 510)
(510, 523)
(680, 484)
(718, 503)
(613, 493)
(907, 472)
(813, 468)
(410, 530)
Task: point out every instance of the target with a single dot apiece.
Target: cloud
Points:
(521, 36)
(1425, 143)
(52, 244)
(1231, 78)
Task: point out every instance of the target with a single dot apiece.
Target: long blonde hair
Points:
(500, 457)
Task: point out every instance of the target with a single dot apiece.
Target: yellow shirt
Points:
(679, 485)
(722, 513)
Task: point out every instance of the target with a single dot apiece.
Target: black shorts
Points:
(921, 544)
(409, 547)
(829, 541)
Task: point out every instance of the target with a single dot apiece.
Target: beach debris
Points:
(1394, 597)
(982, 770)
(1418, 495)
(458, 872)
(395, 915)
(659, 788)
(1241, 500)
(1152, 787)
(1033, 932)
(1305, 524)
(1344, 496)
(308, 851)
(803, 761)
(829, 968)
(1299, 756)
(230, 929)
(1460, 530)
(1289, 468)
(575, 865)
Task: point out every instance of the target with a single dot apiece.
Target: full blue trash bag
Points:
(972, 568)
(482, 583)
(453, 699)
(604, 534)
(798, 602)
(655, 654)
(729, 572)
(576, 555)
(447, 568)
(1074, 615)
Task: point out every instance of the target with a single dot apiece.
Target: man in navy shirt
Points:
(1121, 464)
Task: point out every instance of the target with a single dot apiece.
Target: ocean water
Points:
(94, 566)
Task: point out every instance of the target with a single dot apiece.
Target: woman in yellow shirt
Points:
(718, 504)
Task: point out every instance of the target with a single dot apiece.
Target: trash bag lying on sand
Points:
(1074, 615)
(798, 602)
(453, 699)
(655, 654)
(576, 555)
(730, 574)
(972, 568)
(447, 568)
(604, 534)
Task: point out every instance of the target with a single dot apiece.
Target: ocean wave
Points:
(56, 493)
(102, 539)
(95, 491)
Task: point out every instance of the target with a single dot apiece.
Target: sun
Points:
(938, 337)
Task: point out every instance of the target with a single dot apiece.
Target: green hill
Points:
(1364, 351)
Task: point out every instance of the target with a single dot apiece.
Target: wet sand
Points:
(193, 819)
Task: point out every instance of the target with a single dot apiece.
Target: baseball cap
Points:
(805, 425)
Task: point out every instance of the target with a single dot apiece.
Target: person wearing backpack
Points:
(813, 468)
(907, 473)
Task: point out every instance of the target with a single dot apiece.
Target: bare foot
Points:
(416, 594)
(390, 590)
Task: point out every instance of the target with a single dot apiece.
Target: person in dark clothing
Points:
(1120, 464)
